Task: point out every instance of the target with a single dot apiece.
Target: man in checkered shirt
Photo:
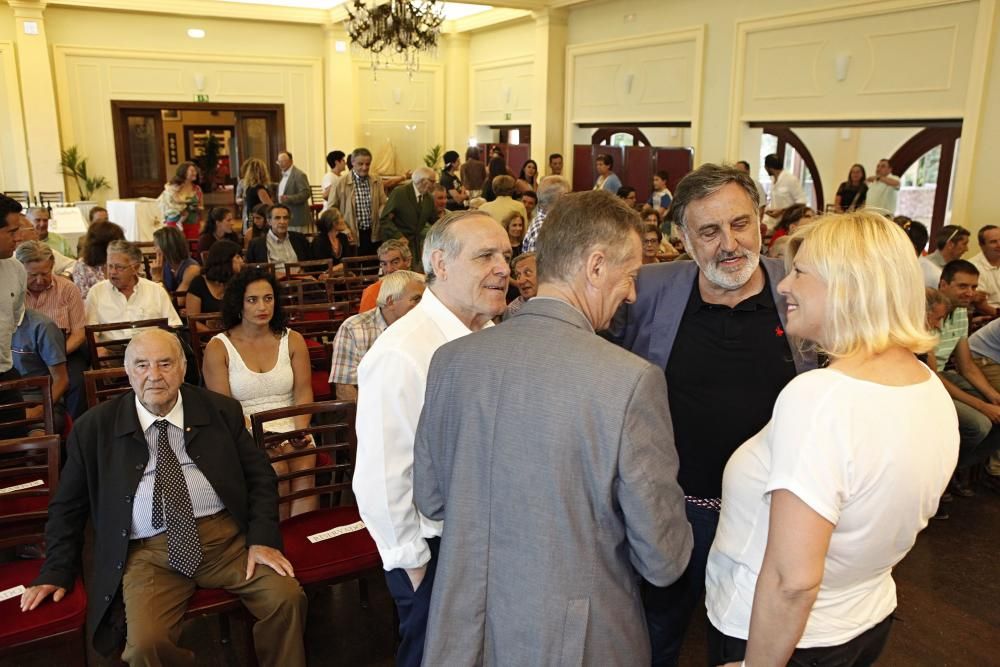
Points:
(360, 197)
(401, 291)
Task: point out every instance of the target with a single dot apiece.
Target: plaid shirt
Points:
(531, 238)
(362, 201)
(354, 338)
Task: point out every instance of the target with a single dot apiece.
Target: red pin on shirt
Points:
(778, 331)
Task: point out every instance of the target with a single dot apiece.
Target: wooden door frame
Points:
(120, 107)
(915, 148)
(120, 128)
(787, 137)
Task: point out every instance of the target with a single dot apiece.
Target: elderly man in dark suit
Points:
(294, 191)
(410, 209)
(180, 498)
(556, 480)
(716, 328)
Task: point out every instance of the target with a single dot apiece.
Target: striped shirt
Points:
(204, 500)
(954, 328)
(362, 201)
(61, 302)
(354, 338)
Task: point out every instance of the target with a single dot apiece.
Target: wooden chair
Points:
(23, 197)
(148, 257)
(53, 630)
(108, 353)
(46, 199)
(347, 288)
(194, 250)
(177, 300)
(13, 416)
(265, 266)
(347, 556)
(201, 328)
(301, 292)
(310, 268)
(365, 265)
(104, 384)
(318, 323)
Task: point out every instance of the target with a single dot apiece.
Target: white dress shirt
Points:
(787, 191)
(391, 382)
(284, 182)
(989, 279)
(882, 196)
(106, 304)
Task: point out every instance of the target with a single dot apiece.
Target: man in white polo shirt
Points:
(987, 299)
(883, 188)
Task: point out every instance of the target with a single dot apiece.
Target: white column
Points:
(548, 101)
(341, 103)
(456, 92)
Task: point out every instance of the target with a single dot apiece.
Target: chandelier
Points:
(395, 31)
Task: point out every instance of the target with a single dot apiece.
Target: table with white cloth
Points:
(68, 222)
(139, 218)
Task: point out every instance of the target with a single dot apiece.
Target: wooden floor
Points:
(948, 614)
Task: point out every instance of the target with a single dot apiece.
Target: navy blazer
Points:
(649, 326)
(107, 454)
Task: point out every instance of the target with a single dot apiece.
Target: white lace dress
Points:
(257, 392)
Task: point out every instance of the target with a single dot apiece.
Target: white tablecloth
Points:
(139, 218)
(68, 222)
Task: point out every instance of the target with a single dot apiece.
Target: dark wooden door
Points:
(637, 171)
(139, 151)
(677, 162)
(259, 134)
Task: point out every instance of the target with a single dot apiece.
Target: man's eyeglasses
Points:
(120, 267)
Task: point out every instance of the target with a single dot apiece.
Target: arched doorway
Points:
(799, 160)
(926, 165)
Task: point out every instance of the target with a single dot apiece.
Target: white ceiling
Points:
(452, 10)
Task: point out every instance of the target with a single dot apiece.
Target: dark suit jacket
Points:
(257, 250)
(107, 454)
(404, 216)
(649, 326)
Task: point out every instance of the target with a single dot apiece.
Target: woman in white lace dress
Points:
(263, 365)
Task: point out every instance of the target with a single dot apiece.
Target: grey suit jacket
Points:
(649, 326)
(298, 193)
(554, 470)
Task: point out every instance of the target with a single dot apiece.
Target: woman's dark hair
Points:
(606, 160)
(219, 263)
(236, 288)
(450, 158)
(172, 244)
(863, 174)
(333, 157)
(792, 215)
(525, 178)
(650, 228)
(624, 191)
(916, 231)
(215, 216)
(96, 240)
(497, 167)
(181, 175)
(472, 153)
(255, 231)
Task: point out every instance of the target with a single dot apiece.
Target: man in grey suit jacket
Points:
(551, 465)
(715, 328)
(294, 191)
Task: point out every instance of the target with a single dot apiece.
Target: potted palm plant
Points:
(74, 165)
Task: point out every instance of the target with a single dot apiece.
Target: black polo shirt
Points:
(725, 371)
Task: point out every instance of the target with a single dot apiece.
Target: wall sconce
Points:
(506, 92)
(397, 95)
(629, 80)
(340, 46)
(199, 81)
(845, 134)
(840, 64)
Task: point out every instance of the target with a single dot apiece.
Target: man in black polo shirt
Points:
(717, 327)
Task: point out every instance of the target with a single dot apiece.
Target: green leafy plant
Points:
(433, 157)
(72, 164)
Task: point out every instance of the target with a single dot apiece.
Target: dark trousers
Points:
(413, 607)
(77, 362)
(669, 609)
(365, 244)
(861, 651)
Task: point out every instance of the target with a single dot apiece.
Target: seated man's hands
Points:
(258, 553)
(33, 596)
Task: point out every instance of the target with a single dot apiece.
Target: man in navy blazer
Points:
(715, 326)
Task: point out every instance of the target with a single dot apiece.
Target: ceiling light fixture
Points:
(196, 33)
(396, 31)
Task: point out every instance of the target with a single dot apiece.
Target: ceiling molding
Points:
(485, 20)
(195, 9)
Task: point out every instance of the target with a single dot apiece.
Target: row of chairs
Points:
(46, 199)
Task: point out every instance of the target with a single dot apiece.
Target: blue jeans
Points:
(414, 608)
(669, 610)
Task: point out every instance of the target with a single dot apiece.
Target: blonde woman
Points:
(820, 505)
(255, 181)
(513, 223)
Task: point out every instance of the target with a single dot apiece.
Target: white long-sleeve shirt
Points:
(392, 377)
(787, 191)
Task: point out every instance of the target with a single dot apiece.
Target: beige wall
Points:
(6, 23)
(980, 207)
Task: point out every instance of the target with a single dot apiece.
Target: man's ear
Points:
(439, 265)
(596, 267)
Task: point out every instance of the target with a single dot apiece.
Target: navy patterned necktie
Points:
(170, 490)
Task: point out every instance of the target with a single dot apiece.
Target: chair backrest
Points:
(201, 328)
(266, 266)
(316, 194)
(20, 196)
(301, 292)
(177, 300)
(193, 248)
(364, 265)
(318, 322)
(332, 428)
(312, 268)
(48, 198)
(104, 384)
(347, 288)
(108, 352)
(13, 416)
(148, 255)
(29, 476)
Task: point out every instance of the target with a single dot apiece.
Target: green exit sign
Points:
(506, 116)
(200, 98)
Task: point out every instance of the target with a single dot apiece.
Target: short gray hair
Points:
(125, 248)
(360, 152)
(550, 189)
(517, 260)
(393, 285)
(442, 237)
(152, 331)
(33, 251)
(421, 174)
(705, 181)
(401, 246)
(32, 211)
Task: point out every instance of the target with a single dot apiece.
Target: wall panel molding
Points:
(14, 171)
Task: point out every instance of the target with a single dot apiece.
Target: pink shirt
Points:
(61, 303)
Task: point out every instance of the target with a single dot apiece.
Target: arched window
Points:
(925, 165)
(797, 159)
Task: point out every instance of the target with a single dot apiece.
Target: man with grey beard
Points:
(716, 326)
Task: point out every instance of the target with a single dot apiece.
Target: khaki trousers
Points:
(156, 597)
(991, 370)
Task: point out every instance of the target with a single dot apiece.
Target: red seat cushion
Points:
(50, 618)
(321, 385)
(340, 556)
(23, 504)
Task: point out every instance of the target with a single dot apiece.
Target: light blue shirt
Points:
(204, 500)
(985, 343)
